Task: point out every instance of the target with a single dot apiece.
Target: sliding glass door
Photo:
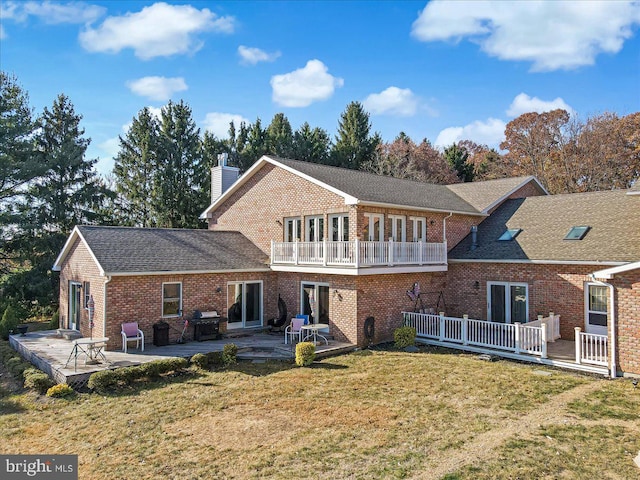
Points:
(507, 302)
(244, 304)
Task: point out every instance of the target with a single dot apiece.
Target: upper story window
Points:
(314, 228)
(339, 225)
(398, 228)
(577, 233)
(373, 227)
(292, 229)
(419, 229)
(172, 299)
(509, 234)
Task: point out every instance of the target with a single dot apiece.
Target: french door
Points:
(314, 301)
(75, 305)
(507, 302)
(244, 304)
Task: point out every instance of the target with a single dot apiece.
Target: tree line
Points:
(161, 172)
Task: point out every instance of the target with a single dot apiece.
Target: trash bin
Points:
(161, 334)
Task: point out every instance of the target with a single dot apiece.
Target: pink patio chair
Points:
(294, 329)
(131, 332)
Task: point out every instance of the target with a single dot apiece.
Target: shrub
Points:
(215, 359)
(17, 366)
(174, 364)
(62, 390)
(54, 323)
(38, 381)
(229, 354)
(128, 375)
(305, 354)
(9, 322)
(103, 381)
(404, 337)
(152, 369)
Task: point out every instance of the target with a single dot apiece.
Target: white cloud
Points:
(157, 88)
(251, 55)
(304, 86)
(218, 123)
(552, 34)
(401, 102)
(523, 103)
(110, 147)
(3, 34)
(159, 30)
(490, 132)
(52, 12)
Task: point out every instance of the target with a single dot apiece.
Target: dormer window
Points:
(577, 233)
(510, 234)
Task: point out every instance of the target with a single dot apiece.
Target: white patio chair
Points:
(293, 332)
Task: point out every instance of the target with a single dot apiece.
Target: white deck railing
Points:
(513, 337)
(591, 348)
(553, 325)
(358, 253)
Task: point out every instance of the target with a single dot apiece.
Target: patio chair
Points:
(293, 331)
(131, 332)
(279, 324)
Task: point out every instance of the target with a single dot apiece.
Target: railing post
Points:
(325, 252)
(295, 252)
(272, 250)
(465, 329)
(518, 336)
(544, 339)
(578, 345)
(390, 246)
(420, 259)
(356, 254)
(441, 332)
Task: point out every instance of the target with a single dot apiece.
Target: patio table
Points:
(312, 332)
(91, 347)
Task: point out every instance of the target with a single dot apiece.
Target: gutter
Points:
(614, 370)
(444, 228)
(104, 305)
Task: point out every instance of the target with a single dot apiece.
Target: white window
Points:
(86, 288)
(339, 228)
(374, 227)
(292, 230)
(596, 308)
(314, 229)
(508, 302)
(172, 299)
(398, 228)
(419, 228)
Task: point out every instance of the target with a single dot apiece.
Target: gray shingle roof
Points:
(144, 250)
(485, 194)
(372, 188)
(613, 216)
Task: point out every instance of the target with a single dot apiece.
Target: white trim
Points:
(535, 262)
(400, 236)
(71, 284)
(370, 216)
(419, 209)
(512, 191)
(588, 327)
(317, 220)
(179, 314)
(315, 293)
(360, 271)
(609, 273)
(75, 233)
(340, 230)
(243, 321)
(183, 272)
(423, 233)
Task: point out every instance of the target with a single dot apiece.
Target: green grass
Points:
(375, 414)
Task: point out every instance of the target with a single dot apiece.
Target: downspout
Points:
(614, 370)
(444, 229)
(104, 305)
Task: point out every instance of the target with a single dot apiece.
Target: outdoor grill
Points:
(206, 326)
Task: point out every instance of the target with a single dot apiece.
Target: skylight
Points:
(577, 233)
(510, 234)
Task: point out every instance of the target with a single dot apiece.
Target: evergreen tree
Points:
(181, 176)
(280, 137)
(255, 146)
(457, 157)
(354, 144)
(311, 145)
(136, 171)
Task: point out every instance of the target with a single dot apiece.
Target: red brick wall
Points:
(628, 320)
(139, 298)
(79, 266)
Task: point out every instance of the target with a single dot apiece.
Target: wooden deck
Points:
(50, 353)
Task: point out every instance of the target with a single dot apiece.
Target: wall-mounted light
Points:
(279, 222)
(476, 285)
(336, 293)
(432, 222)
(219, 290)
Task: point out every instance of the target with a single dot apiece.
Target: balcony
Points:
(358, 254)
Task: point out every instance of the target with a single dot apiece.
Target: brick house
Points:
(341, 245)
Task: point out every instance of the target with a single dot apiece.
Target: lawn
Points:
(371, 414)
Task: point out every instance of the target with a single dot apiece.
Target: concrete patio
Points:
(52, 354)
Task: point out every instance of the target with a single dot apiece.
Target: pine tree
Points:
(354, 144)
(279, 137)
(136, 171)
(457, 157)
(311, 145)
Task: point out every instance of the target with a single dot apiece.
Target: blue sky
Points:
(444, 71)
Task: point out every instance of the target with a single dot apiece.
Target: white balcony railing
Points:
(358, 253)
